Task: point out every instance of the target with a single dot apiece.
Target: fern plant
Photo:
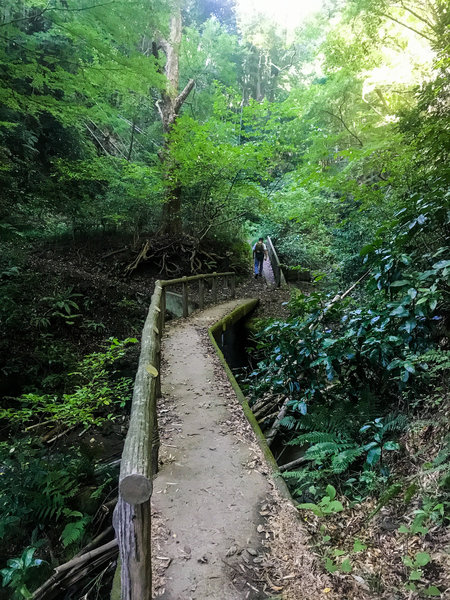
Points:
(38, 487)
(341, 446)
(74, 530)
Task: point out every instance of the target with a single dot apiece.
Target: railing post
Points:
(162, 321)
(214, 287)
(134, 546)
(185, 298)
(158, 365)
(201, 293)
(233, 286)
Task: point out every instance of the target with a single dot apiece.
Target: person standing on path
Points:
(260, 255)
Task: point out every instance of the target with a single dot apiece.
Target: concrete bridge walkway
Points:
(213, 493)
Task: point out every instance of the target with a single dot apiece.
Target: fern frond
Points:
(73, 532)
(395, 422)
(288, 422)
(314, 437)
(325, 449)
(343, 460)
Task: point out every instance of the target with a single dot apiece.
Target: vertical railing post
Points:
(214, 287)
(162, 321)
(185, 298)
(158, 364)
(201, 293)
(233, 286)
(132, 523)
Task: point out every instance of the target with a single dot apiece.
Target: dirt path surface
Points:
(213, 497)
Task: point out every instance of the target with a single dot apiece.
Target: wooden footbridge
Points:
(208, 497)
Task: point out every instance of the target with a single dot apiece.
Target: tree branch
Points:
(407, 27)
(184, 94)
(211, 225)
(418, 16)
(339, 118)
(55, 8)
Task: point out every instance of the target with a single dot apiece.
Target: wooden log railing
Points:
(276, 265)
(132, 516)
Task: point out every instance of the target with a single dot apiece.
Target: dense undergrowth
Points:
(364, 381)
(69, 313)
(66, 387)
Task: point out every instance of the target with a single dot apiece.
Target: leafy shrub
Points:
(20, 573)
(38, 486)
(97, 390)
(351, 363)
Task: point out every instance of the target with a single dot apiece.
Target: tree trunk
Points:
(172, 223)
(169, 107)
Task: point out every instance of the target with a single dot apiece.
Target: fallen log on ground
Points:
(75, 570)
(295, 463)
(277, 423)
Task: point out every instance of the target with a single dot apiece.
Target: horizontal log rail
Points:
(132, 515)
(276, 265)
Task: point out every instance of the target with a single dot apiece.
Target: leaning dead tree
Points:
(169, 106)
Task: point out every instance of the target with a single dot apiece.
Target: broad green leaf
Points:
(330, 491)
(358, 546)
(400, 311)
(422, 558)
(410, 325)
(27, 556)
(330, 566)
(346, 566)
(400, 283)
(335, 506)
(415, 575)
(7, 575)
(15, 563)
(391, 446)
(431, 591)
(373, 456)
(442, 264)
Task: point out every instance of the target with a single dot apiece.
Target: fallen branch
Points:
(94, 543)
(69, 579)
(114, 252)
(268, 417)
(338, 298)
(60, 435)
(86, 557)
(277, 423)
(294, 463)
(265, 407)
(71, 567)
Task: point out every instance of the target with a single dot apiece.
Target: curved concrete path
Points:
(209, 490)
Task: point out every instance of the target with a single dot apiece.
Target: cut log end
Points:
(135, 489)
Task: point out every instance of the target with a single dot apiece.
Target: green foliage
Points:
(38, 486)
(332, 357)
(74, 530)
(421, 559)
(97, 390)
(327, 505)
(20, 573)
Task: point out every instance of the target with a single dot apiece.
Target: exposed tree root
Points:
(175, 256)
